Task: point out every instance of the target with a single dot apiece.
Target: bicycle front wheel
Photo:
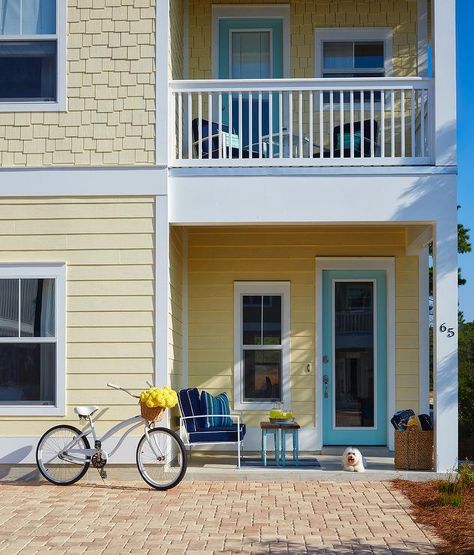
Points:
(161, 458)
(53, 460)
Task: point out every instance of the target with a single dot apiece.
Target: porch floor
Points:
(205, 466)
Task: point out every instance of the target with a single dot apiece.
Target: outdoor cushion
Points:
(190, 405)
(216, 435)
(218, 404)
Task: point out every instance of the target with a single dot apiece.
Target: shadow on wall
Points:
(17, 457)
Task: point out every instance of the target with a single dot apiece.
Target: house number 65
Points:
(448, 331)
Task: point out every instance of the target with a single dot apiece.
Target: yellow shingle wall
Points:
(107, 244)
(220, 256)
(110, 90)
(306, 15)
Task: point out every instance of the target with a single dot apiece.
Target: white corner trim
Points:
(162, 96)
(336, 34)
(185, 318)
(356, 263)
(424, 332)
(262, 288)
(422, 32)
(56, 271)
(251, 11)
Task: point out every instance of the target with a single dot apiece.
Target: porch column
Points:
(445, 286)
(444, 62)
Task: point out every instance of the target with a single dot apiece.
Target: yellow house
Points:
(231, 196)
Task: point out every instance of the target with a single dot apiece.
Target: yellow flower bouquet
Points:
(154, 401)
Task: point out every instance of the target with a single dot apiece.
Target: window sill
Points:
(31, 410)
(257, 406)
(40, 106)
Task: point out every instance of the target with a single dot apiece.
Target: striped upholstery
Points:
(215, 405)
(189, 405)
(225, 434)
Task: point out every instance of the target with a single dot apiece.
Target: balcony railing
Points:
(310, 122)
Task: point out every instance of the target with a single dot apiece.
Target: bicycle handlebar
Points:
(113, 386)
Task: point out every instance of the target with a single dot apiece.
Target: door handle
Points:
(325, 359)
(325, 382)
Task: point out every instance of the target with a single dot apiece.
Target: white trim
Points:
(162, 97)
(342, 34)
(424, 332)
(262, 288)
(60, 37)
(56, 271)
(356, 263)
(251, 11)
(185, 309)
(162, 295)
(333, 353)
(74, 181)
(422, 32)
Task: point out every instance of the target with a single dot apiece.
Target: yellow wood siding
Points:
(107, 244)
(305, 16)
(110, 93)
(220, 256)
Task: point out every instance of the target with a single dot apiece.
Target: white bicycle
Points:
(64, 453)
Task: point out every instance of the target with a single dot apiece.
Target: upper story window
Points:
(32, 54)
(353, 52)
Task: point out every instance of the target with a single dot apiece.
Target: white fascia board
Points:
(45, 182)
(320, 199)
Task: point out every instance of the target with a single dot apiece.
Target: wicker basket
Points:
(414, 449)
(151, 414)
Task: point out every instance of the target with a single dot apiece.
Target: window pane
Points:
(252, 320)
(39, 18)
(27, 373)
(272, 320)
(9, 307)
(369, 55)
(354, 345)
(10, 17)
(338, 55)
(262, 375)
(250, 56)
(37, 308)
(28, 70)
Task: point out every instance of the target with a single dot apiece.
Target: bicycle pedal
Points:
(103, 474)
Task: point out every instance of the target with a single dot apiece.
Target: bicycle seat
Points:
(85, 411)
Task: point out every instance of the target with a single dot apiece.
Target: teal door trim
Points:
(366, 265)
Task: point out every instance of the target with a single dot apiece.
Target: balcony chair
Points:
(359, 149)
(228, 151)
(192, 424)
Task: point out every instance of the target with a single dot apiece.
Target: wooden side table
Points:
(279, 432)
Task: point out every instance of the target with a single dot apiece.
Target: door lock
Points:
(325, 359)
(325, 382)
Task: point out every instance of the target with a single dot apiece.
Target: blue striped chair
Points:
(192, 424)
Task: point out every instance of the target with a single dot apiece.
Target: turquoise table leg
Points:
(283, 447)
(296, 446)
(276, 435)
(264, 447)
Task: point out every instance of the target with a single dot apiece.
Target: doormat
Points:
(303, 464)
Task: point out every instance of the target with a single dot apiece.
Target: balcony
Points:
(302, 122)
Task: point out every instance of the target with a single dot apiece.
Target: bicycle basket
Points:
(151, 414)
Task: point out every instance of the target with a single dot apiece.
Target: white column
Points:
(162, 113)
(444, 62)
(445, 334)
(424, 332)
(162, 292)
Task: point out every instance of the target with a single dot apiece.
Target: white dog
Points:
(352, 460)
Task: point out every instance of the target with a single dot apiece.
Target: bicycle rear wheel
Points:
(161, 458)
(52, 459)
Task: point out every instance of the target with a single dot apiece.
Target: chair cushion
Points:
(218, 404)
(189, 405)
(218, 435)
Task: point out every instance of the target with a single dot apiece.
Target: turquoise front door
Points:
(250, 49)
(354, 357)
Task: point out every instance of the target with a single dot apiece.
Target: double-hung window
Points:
(261, 369)
(32, 54)
(32, 320)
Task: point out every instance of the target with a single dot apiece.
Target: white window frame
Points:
(60, 104)
(242, 288)
(56, 271)
(353, 34)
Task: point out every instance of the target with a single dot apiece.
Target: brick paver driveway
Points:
(209, 517)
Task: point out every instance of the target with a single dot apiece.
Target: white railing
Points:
(293, 122)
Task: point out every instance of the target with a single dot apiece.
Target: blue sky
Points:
(466, 145)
